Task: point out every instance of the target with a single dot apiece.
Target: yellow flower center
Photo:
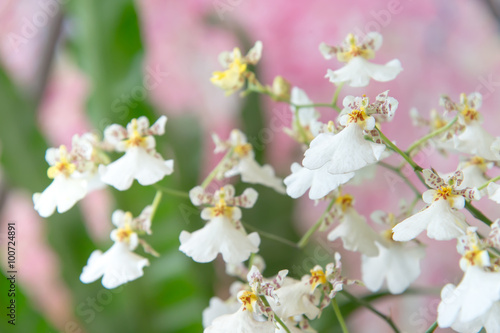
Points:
(470, 114)
(355, 50)
(445, 193)
(248, 299)
(231, 77)
(344, 201)
(243, 150)
(357, 116)
(317, 277)
(63, 166)
(123, 234)
(135, 140)
(438, 123)
(477, 257)
(222, 209)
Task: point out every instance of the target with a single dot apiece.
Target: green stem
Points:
(372, 309)
(492, 180)
(212, 174)
(305, 239)
(336, 309)
(477, 213)
(156, 202)
(336, 96)
(270, 236)
(391, 145)
(165, 190)
(302, 132)
(432, 328)
(402, 176)
(266, 303)
(431, 135)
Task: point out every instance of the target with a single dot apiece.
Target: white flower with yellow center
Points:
(119, 264)
(305, 119)
(319, 182)
(441, 218)
(223, 233)
(217, 307)
(472, 138)
(396, 263)
(65, 190)
(355, 233)
(233, 78)
(74, 174)
(297, 298)
(241, 161)
(477, 295)
(243, 320)
(358, 70)
(141, 161)
(348, 150)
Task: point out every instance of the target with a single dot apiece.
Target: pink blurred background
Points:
(445, 47)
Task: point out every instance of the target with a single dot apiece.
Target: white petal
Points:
(476, 141)
(219, 236)
(348, 151)
(135, 164)
(473, 297)
(254, 54)
(320, 181)
(356, 234)
(295, 300)
(239, 322)
(358, 71)
(376, 38)
(158, 128)
(320, 151)
(440, 220)
(52, 156)
(253, 173)
(384, 73)
(218, 308)
(494, 192)
(62, 193)
(117, 266)
(398, 264)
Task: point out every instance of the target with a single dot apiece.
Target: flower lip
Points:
(243, 150)
(248, 299)
(344, 201)
(318, 277)
(136, 139)
(63, 166)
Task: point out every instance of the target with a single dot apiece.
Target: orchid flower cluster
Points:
(340, 152)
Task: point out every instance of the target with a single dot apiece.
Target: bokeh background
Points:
(69, 66)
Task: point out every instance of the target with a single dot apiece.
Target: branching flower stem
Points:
(432, 328)
(336, 97)
(403, 177)
(418, 171)
(336, 309)
(391, 145)
(424, 139)
(278, 319)
(372, 309)
(170, 191)
(270, 236)
(492, 180)
(214, 172)
(156, 202)
(305, 239)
